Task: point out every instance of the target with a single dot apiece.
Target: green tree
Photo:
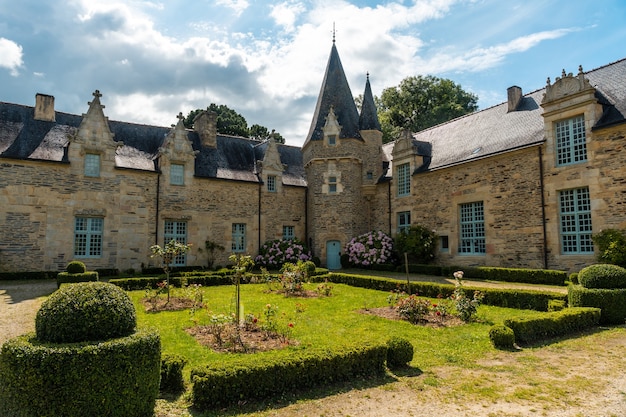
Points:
(167, 254)
(229, 122)
(418, 242)
(418, 103)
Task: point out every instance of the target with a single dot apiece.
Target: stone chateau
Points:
(522, 184)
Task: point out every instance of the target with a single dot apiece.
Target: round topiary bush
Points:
(85, 311)
(502, 336)
(606, 276)
(399, 352)
(76, 267)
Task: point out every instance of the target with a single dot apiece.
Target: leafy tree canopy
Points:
(229, 122)
(419, 102)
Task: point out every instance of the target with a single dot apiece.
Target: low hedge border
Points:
(511, 298)
(69, 278)
(33, 275)
(528, 276)
(255, 378)
(553, 324)
(119, 377)
(611, 302)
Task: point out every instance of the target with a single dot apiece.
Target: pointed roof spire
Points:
(335, 92)
(368, 119)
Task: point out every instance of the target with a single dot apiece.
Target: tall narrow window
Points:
(239, 237)
(175, 230)
(271, 183)
(404, 179)
(332, 185)
(177, 174)
(88, 237)
(404, 221)
(92, 165)
(575, 221)
(472, 239)
(288, 233)
(570, 141)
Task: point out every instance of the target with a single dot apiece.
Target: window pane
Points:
(88, 237)
(271, 183)
(472, 239)
(176, 230)
(239, 237)
(177, 174)
(92, 165)
(570, 140)
(288, 232)
(404, 179)
(575, 221)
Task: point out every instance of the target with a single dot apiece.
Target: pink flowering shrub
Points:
(275, 253)
(370, 249)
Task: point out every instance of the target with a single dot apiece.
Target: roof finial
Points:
(334, 32)
(367, 76)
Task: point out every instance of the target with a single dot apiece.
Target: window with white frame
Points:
(472, 223)
(239, 237)
(176, 230)
(177, 174)
(404, 221)
(88, 237)
(332, 185)
(288, 233)
(271, 183)
(404, 179)
(92, 165)
(570, 139)
(575, 221)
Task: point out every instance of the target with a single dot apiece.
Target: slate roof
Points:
(368, 119)
(335, 92)
(495, 130)
(23, 137)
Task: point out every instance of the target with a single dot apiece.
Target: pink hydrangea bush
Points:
(275, 253)
(373, 248)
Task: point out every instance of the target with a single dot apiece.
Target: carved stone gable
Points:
(566, 86)
(94, 133)
(176, 145)
(332, 126)
(271, 160)
(405, 146)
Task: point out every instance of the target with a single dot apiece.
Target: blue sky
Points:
(265, 59)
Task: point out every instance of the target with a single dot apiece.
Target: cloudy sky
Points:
(265, 59)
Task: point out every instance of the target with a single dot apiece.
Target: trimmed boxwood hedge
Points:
(511, 298)
(116, 378)
(558, 323)
(69, 278)
(605, 276)
(262, 377)
(611, 302)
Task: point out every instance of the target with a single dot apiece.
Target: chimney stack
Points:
(514, 95)
(44, 108)
(205, 124)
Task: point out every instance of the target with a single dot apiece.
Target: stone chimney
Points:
(514, 95)
(44, 108)
(205, 124)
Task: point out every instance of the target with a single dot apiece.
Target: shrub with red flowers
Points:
(275, 253)
(370, 249)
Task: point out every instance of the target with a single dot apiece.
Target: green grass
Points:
(326, 322)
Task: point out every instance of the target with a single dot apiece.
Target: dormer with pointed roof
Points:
(176, 156)
(335, 92)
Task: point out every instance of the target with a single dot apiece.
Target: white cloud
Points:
(286, 13)
(238, 6)
(10, 56)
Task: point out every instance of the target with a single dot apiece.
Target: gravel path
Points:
(19, 302)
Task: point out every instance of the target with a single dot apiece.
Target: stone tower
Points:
(342, 156)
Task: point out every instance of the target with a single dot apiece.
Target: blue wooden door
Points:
(333, 254)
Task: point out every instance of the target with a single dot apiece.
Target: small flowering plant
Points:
(465, 306)
(275, 253)
(370, 249)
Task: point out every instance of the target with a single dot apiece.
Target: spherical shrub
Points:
(86, 311)
(76, 267)
(606, 276)
(502, 336)
(399, 352)
(310, 268)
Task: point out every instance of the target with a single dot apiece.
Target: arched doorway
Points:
(333, 254)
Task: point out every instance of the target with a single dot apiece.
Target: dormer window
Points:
(332, 140)
(177, 174)
(92, 165)
(404, 179)
(271, 183)
(570, 139)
